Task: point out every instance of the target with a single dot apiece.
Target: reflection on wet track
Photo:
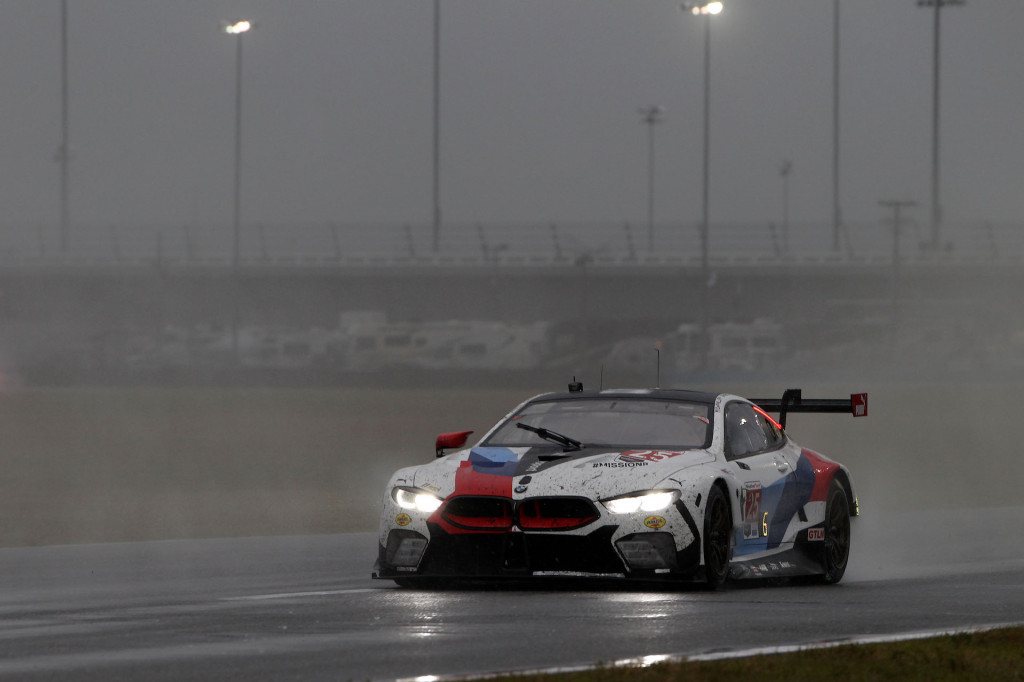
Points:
(305, 608)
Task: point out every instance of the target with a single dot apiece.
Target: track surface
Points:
(305, 608)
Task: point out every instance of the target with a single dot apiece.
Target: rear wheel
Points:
(836, 553)
(717, 538)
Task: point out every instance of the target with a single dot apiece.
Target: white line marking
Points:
(645, 661)
(866, 639)
(291, 595)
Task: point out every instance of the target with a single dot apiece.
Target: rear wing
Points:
(793, 401)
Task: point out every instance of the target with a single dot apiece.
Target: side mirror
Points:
(456, 439)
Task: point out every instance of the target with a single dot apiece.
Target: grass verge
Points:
(990, 656)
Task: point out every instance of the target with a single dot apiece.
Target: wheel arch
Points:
(842, 476)
(730, 496)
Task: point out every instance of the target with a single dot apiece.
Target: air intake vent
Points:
(556, 513)
(479, 513)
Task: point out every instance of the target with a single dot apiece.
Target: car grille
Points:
(480, 513)
(498, 513)
(556, 513)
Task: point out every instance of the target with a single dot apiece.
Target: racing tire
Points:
(717, 539)
(836, 552)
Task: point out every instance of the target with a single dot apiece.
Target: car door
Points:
(754, 448)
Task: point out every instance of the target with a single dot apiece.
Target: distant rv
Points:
(453, 344)
(744, 346)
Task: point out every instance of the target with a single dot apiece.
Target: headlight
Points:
(652, 501)
(420, 500)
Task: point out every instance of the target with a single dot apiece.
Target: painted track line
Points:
(298, 595)
(647, 661)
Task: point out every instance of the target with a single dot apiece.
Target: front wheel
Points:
(717, 538)
(836, 552)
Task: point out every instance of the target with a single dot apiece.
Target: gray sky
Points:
(539, 110)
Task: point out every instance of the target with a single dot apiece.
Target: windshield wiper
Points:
(553, 436)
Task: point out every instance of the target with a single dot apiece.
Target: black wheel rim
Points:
(838, 534)
(717, 549)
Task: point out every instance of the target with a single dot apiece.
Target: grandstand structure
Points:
(120, 297)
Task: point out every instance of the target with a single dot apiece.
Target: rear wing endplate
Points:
(793, 401)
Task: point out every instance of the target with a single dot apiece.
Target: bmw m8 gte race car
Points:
(654, 484)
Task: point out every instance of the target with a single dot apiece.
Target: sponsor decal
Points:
(773, 567)
(648, 455)
(751, 501)
(654, 522)
(859, 402)
(493, 461)
(752, 494)
(815, 534)
(403, 519)
(626, 460)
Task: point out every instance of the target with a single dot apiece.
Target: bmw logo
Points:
(520, 489)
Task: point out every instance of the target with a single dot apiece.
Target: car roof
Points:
(626, 393)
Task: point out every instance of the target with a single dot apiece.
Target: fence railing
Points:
(523, 245)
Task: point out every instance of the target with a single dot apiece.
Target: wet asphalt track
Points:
(305, 608)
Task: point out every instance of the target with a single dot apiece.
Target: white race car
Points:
(654, 484)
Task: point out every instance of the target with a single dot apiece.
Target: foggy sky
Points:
(539, 117)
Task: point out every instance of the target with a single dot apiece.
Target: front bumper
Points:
(516, 554)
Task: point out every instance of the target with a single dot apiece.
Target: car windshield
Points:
(629, 422)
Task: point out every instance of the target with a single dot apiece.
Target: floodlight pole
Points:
(705, 11)
(836, 211)
(237, 29)
(63, 155)
(651, 116)
(784, 172)
(937, 6)
(437, 127)
(705, 221)
(237, 210)
(897, 207)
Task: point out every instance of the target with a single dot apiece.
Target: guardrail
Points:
(512, 246)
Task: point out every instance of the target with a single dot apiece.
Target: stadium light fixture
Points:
(706, 8)
(240, 26)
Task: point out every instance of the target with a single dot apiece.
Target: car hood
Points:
(544, 471)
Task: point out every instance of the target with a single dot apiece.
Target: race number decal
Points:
(751, 510)
(751, 502)
(648, 455)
